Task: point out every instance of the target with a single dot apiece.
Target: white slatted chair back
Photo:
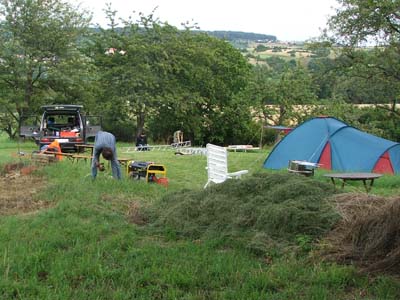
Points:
(217, 165)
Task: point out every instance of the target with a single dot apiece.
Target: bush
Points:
(261, 48)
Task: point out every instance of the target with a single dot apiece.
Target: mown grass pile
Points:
(261, 211)
(368, 234)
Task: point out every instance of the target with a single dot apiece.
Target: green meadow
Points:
(127, 239)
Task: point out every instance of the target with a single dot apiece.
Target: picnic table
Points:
(84, 147)
(244, 148)
(364, 177)
(77, 157)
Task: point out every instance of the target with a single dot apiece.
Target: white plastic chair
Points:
(217, 165)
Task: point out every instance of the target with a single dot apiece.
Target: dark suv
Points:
(66, 123)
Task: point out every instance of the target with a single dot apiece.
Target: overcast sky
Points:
(289, 20)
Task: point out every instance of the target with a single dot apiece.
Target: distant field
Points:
(285, 51)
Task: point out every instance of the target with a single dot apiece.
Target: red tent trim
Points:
(325, 159)
(384, 164)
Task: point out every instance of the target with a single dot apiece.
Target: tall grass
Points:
(10, 149)
(86, 247)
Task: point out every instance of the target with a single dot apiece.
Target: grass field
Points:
(83, 243)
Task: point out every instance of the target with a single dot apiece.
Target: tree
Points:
(368, 75)
(38, 38)
(208, 75)
(378, 21)
(368, 78)
(166, 79)
(360, 21)
(276, 94)
(134, 63)
(323, 76)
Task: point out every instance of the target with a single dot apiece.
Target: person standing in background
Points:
(141, 142)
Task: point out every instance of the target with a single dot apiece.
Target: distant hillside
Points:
(238, 35)
(232, 36)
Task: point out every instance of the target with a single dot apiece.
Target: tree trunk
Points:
(140, 119)
(23, 110)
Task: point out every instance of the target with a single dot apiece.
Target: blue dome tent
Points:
(335, 146)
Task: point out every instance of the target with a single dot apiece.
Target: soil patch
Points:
(19, 187)
(135, 215)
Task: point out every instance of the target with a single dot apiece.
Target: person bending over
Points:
(105, 144)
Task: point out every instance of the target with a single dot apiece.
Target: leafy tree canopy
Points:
(39, 38)
(358, 21)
